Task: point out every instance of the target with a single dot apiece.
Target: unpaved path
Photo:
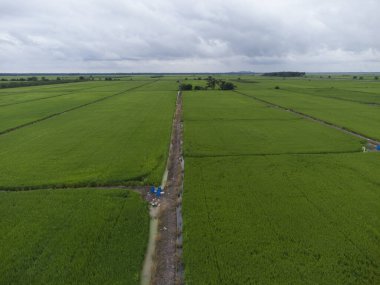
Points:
(370, 141)
(146, 274)
(167, 268)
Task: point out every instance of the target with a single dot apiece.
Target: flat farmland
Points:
(345, 104)
(29, 107)
(120, 139)
(72, 236)
(288, 219)
(271, 198)
(224, 123)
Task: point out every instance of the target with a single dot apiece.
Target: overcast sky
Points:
(189, 36)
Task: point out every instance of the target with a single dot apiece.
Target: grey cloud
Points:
(178, 35)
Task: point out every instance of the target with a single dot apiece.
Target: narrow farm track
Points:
(72, 109)
(168, 267)
(370, 141)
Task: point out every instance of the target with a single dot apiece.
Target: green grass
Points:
(123, 139)
(21, 107)
(282, 220)
(226, 123)
(347, 103)
(261, 206)
(81, 236)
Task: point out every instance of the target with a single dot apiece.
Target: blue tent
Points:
(152, 189)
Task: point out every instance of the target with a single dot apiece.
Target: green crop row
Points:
(226, 123)
(282, 220)
(260, 205)
(81, 236)
(121, 140)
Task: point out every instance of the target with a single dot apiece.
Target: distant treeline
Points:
(34, 81)
(285, 74)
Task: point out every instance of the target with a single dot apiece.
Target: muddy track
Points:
(168, 266)
(370, 141)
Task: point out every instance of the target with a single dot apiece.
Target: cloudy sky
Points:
(189, 36)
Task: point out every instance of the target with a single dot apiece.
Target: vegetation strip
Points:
(315, 119)
(71, 109)
(334, 97)
(268, 154)
(54, 96)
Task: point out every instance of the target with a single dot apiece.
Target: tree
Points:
(211, 82)
(186, 87)
(226, 85)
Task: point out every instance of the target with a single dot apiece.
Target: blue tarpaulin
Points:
(158, 192)
(378, 147)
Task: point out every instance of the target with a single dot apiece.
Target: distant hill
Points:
(285, 74)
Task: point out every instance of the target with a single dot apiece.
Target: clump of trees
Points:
(186, 87)
(213, 83)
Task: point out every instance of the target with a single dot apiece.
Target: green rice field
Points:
(97, 136)
(270, 196)
(72, 236)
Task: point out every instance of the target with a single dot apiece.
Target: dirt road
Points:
(168, 268)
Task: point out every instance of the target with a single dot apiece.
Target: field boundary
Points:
(371, 141)
(71, 109)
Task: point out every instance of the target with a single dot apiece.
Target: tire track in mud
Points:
(167, 266)
(370, 141)
(71, 109)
